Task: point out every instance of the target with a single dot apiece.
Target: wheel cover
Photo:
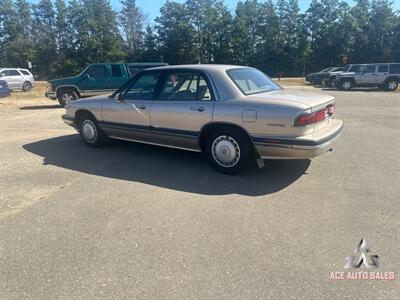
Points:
(225, 151)
(392, 85)
(67, 97)
(346, 85)
(89, 131)
(27, 86)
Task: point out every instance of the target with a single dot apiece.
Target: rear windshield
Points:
(252, 81)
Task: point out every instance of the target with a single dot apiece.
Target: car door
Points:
(368, 75)
(184, 105)
(127, 115)
(358, 73)
(95, 81)
(382, 74)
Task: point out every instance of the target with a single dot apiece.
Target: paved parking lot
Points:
(137, 221)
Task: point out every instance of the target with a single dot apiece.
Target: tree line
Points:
(60, 38)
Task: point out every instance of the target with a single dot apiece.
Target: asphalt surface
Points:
(133, 221)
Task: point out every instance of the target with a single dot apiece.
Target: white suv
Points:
(18, 79)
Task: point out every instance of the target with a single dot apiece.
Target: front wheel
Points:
(391, 85)
(90, 132)
(65, 96)
(228, 150)
(346, 84)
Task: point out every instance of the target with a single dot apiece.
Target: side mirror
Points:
(118, 97)
(86, 76)
(2, 75)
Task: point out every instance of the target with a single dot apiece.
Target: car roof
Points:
(200, 67)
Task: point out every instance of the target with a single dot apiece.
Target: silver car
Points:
(231, 113)
(18, 79)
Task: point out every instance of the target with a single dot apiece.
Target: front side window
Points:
(356, 68)
(370, 69)
(189, 86)
(4, 73)
(252, 81)
(143, 88)
(383, 69)
(97, 72)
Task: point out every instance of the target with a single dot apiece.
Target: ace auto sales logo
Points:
(367, 262)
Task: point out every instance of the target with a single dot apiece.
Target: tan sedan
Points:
(231, 113)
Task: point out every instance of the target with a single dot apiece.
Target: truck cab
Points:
(95, 79)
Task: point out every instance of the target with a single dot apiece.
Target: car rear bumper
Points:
(51, 95)
(308, 146)
(69, 120)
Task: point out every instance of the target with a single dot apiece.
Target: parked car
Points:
(318, 78)
(383, 76)
(95, 79)
(328, 80)
(4, 89)
(229, 112)
(18, 79)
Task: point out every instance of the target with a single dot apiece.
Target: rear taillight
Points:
(314, 117)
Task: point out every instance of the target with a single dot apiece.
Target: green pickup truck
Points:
(95, 79)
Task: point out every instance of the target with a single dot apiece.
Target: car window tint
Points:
(383, 69)
(185, 87)
(370, 69)
(116, 71)
(134, 70)
(97, 71)
(13, 73)
(356, 68)
(395, 69)
(4, 73)
(143, 88)
(24, 72)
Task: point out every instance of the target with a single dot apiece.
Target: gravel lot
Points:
(137, 221)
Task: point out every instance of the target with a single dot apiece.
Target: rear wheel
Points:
(91, 133)
(228, 150)
(66, 95)
(391, 85)
(346, 84)
(27, 86)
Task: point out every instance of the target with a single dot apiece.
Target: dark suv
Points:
(383, 76)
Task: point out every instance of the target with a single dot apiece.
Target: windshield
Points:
(326, 70)
(252, 81)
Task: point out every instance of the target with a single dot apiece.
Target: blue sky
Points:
(152, 7)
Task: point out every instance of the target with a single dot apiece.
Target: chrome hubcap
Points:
(67, 98)
(392, 85)
(89, 131)
(226, 151)
(347, 85)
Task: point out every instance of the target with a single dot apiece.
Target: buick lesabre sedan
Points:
(231, 113)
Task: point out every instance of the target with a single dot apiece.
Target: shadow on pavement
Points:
(33, 107)
(164, 167)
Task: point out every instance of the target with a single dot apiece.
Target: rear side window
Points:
(25, 72)
(394, 69)
(134, 70)
(383, 69)
(185, 86)
(251, 81)
(116, 71)
(14, 73)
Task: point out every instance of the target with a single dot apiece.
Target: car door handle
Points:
(142, 106)
(199, 108)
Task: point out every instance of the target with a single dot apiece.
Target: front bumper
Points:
(69, 120)
(5, 94)
(304, 147)
(51, 95)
